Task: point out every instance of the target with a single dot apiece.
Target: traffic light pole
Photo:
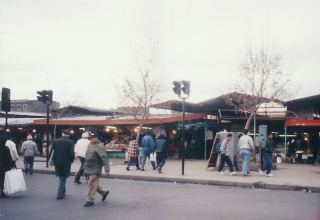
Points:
(183, 137)
(47, 127)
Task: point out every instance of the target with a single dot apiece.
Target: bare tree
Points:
(137, 95)
(262, 79)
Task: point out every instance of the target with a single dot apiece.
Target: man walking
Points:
(63, 157)
(95, 159)
(225, 155)
(147, 148)
(245, 145)
(29, 150)
(267, 146)
(80, 151)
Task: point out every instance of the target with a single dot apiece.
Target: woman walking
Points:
(133, 152)
(161, 148)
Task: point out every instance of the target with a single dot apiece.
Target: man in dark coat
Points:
(63, 157)
(5, 162)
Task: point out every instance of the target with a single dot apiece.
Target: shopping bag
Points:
(153, 157)
(51, 163)
(14, 182)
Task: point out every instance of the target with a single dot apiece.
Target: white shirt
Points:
(81, 147)
(13, 150)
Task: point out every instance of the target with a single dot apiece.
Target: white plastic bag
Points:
(153, 156)
(14, 182)
(51, 163)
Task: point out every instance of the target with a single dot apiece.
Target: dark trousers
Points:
(62, 186)
(161, 159)
(80, 171)
(28, 164)
(225, 158)
(135, 160)
(299, 158)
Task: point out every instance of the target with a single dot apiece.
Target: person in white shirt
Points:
(245, 145)
(13, 151)
(80, 151)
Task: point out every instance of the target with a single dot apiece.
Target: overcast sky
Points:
(79, 48)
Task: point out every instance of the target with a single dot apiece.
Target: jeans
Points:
(133, 159)
(246, 159)
(143, 162)
(225, 158)
(28, 164)
(161, 159)
(268, 162)
(62, 187)
(81, 170)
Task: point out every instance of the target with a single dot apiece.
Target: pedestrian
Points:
(80, 151)
(299, 144)
(267, 146)
(261, 138)
(29, 150)
(225, 155)
(96, 158)
(63, 157)
(147, 147)
(5, 162)
(245, 145)
(38, 141)
(13, 151)
(292, 151)
(133, 152)
(161, 150)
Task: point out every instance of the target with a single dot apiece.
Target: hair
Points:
(229, 135)
(269, 133)
(245, 131)
(133, 137)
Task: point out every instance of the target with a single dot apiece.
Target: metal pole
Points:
(254, 128)
(183, 118)
(285, 144)
(6, 120)
(47, 134)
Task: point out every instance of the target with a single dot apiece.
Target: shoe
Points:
(154, 168)
(260, 171)
(77, 182)
(60, 197)
(88, 204)
(138, 168)
(159, 170)
(4, 196)
(220, 173)
(248, 172)
(142, 169)
(127, 168)
(105, 196)
(233, 173)
(269, 175)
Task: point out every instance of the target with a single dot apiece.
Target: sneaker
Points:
(269, 175)
(220, 173)
(142, 169)
(105, 196)
(233, 173)
(87, 204)
(260, 171)
(127, 168)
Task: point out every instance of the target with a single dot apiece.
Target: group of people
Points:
(245, 146)
(149, 146)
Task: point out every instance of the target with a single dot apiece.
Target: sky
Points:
(81, 48)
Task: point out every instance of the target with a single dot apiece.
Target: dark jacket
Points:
(160, 145)
(96, 158)
(63, 155)
(5, 161)
(267, 145)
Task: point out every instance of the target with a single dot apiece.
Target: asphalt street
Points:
(129, 199)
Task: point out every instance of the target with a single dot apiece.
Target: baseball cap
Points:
(92, 135)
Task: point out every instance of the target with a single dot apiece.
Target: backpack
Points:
(218, 148)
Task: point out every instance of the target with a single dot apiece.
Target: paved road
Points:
(156, 200)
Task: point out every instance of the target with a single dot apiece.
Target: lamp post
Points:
(186, 90)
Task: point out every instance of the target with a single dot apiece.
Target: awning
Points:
(302, 123)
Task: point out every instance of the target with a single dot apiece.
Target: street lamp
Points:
(186, 90)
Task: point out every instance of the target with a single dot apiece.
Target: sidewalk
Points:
(287, 176)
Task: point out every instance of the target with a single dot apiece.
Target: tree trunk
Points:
(249, 120)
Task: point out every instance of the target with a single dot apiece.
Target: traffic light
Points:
(5, 100)
(186, 87)
(177, 87)
(45, 96)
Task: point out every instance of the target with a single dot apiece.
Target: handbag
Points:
(14, 182)
(51, 163)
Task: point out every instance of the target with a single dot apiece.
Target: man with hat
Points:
(29, 150)
(95, 159)
(63, 157)
(80, 151)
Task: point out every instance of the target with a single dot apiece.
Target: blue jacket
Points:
(147, 144)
